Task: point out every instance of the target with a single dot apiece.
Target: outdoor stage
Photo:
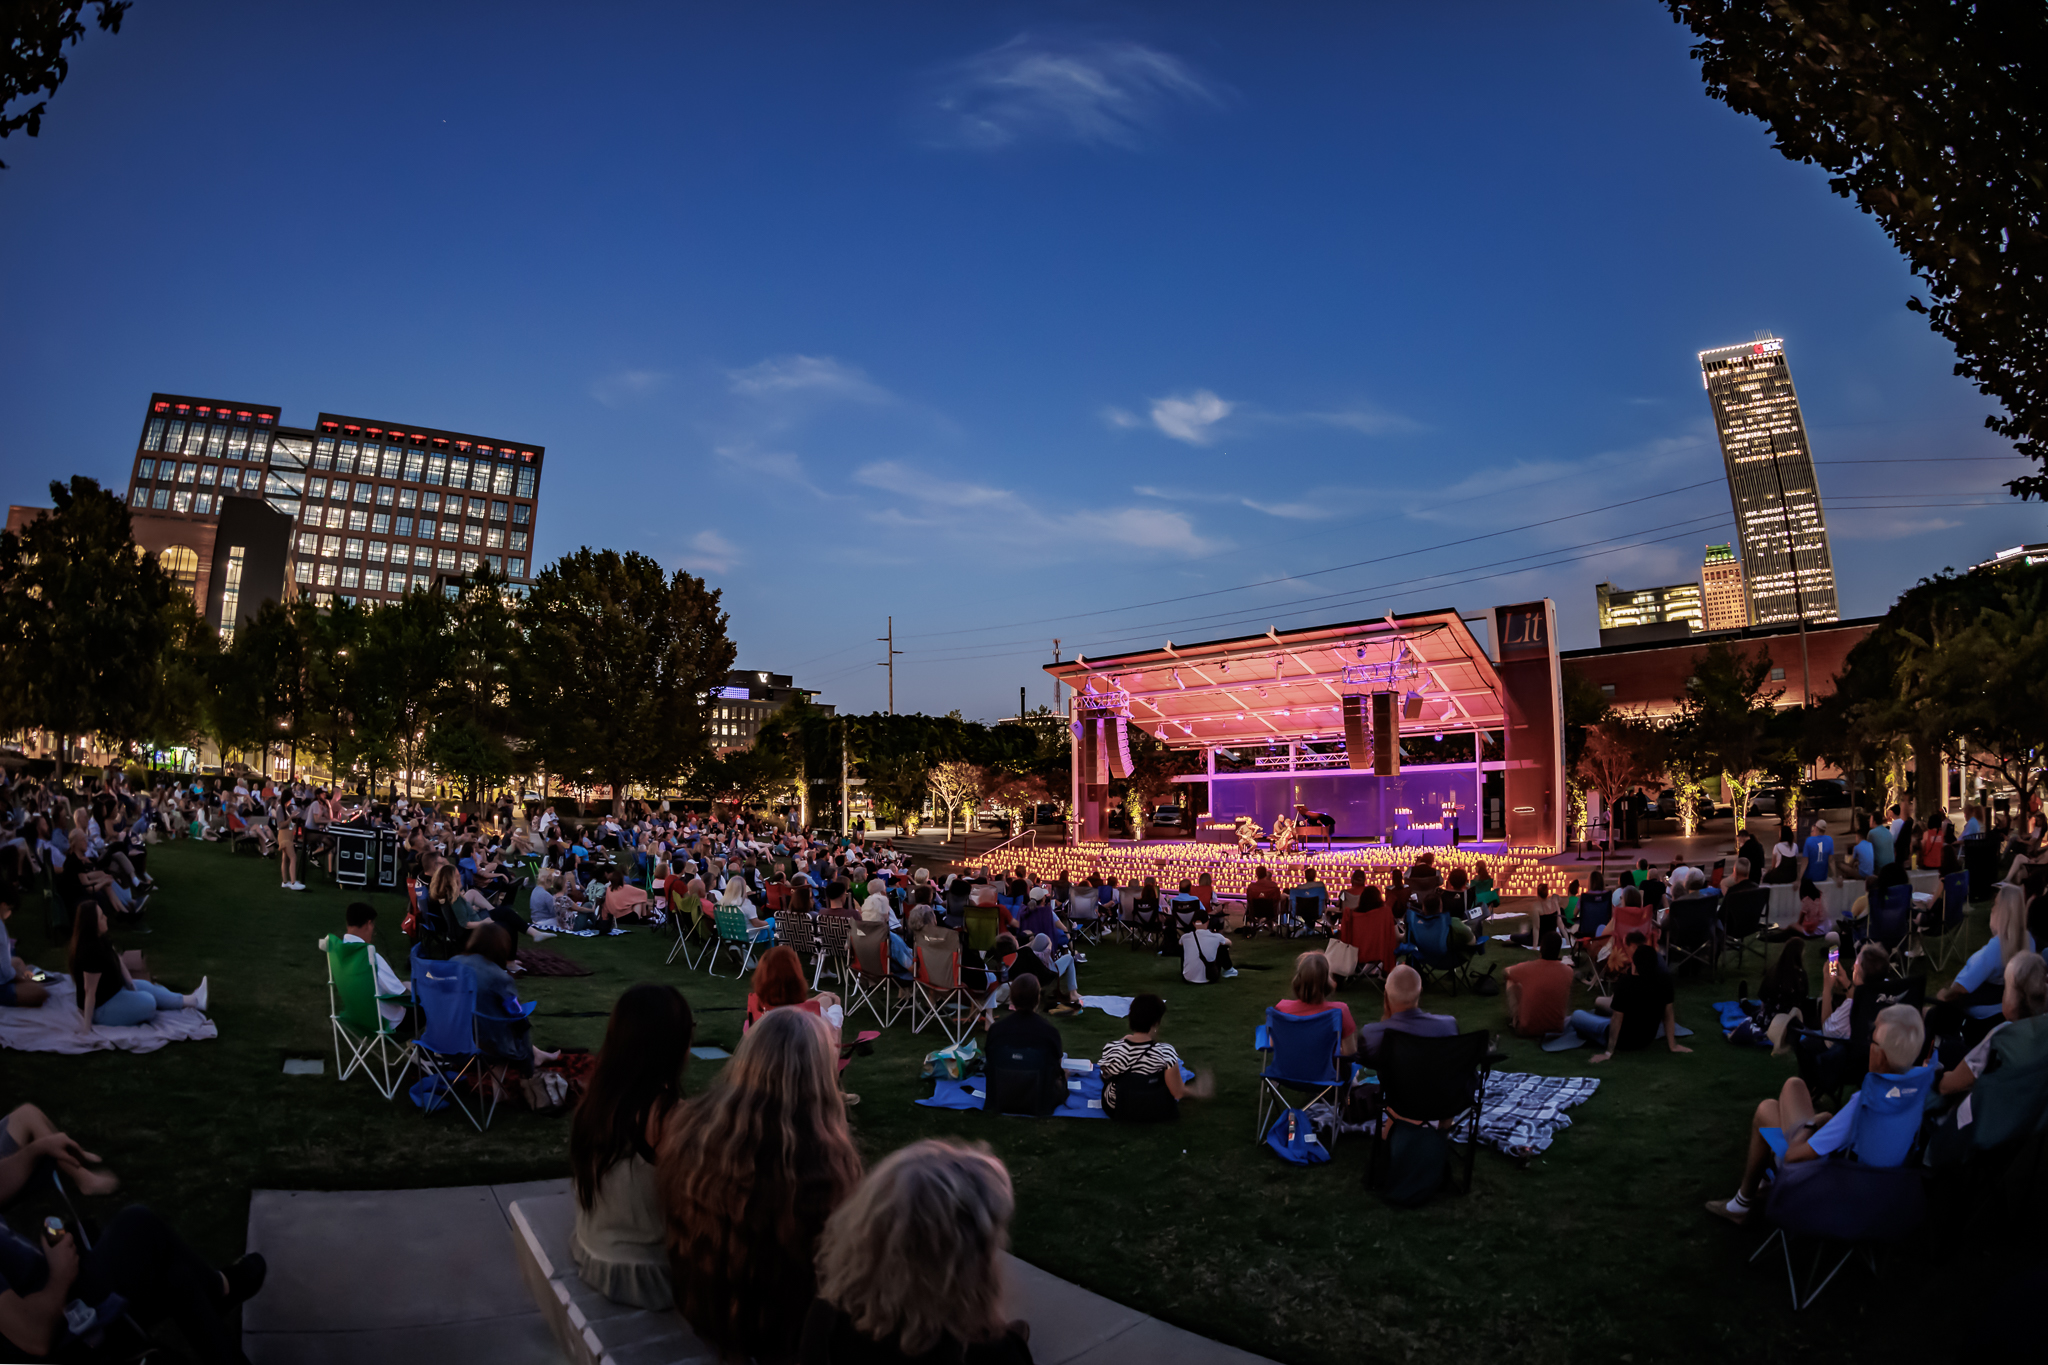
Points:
(1168, 862)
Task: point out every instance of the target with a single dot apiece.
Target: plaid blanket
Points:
(1522, 1114)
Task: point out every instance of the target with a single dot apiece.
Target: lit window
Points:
(380, 524)
(422, 555)
(330, 546)
(238, 442)
(458, 472)
(208, 473)
(515, 568)
(358, 521)
(469, 563)
(494, 538)
(365, 491)
(309, 544)
(497, 511)
(352, 549)
(174, 438)
(231, 593)
(446, 560)
(450, 530)
(373, 580)
(521, 514)
(386, 495)
(497, 565)
(326, 576)
(501, 483)
(415, 461)
(140, 497)
(203, 504)
(187, 472)
(252, 479)
(323, 453)
(154, 438)
(472, 534)
(316, 488)
(426, 528)
(1777, 675)
(181, 502)
(259, 446)
(145, 470)
(525, 483)
(302, 572)
(160, 500)
(338, 490)
(394, 460)
(217, 441)
(334, 518)
(408, 497)
(350, 575)
(437, 469)
(195, 438)
(396, 583)
(430, 502)
(345, 457)
(519, 540)
(404, 525)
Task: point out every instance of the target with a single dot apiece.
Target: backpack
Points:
(1293, 1135)
(1211, 968)
(1418, 1164)
(1139, 1097)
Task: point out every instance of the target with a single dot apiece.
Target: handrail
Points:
(991, 852)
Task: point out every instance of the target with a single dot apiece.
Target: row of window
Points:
(182, 500)
(206, 475)
(327, 575)
(384, 524)
(384, 495)
(421, 466)
(377, 551)
(222, 443)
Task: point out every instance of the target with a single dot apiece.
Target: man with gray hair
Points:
(1896, 1040)
(1404, 1014)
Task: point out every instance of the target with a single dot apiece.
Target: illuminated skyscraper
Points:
(1727, 604)
(1787, 566)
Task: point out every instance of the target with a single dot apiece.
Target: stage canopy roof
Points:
(1285, 686)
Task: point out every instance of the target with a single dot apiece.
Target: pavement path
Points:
(425, 1277)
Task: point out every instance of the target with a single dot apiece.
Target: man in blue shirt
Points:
(1819, 848)
(1865, 856)
(1881, 852)
(1787, 1129)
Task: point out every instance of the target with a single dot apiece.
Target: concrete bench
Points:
(591, 1329)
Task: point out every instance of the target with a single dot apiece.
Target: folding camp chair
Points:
(1085, 921)
(1020, 1080)
(1832, 1065)
(1955, 910)
(1429, 951)
(1304, 912)
(360, 1031)
(1890, 923)
(1261, 912)
(1184, 909)
(1691, 932)
(735, 936)
(936, 994)
(870, 984)
(983, 927)
(1145, 927)
(1297, 1053)
(797, 930)
(1595, 909)
(1432, 1081)
(1877, 1197)
(446, 1046)
(696, 932)
(831, 932)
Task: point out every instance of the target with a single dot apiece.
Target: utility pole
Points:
(889, 660)
(845, 787)
(1020, 704)
(1056, 681)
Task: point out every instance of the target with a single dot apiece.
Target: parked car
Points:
(1169, 816)
(1667, 804)
(1769, 801)
(1825, 793)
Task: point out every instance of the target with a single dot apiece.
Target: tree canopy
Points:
(1929, 115)
(33, 62)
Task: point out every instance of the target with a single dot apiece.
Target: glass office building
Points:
(1788, 569)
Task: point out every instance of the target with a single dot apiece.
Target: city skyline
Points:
(1112, 327)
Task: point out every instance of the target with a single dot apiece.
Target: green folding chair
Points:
(361, 1034)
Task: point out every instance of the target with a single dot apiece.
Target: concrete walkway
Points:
(426, 1277)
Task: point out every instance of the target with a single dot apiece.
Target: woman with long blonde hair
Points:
(749, 1172)
(1976, 999)
(910, 1269)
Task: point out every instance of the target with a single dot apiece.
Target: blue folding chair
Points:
(445, 1048)
(1300, 1053)
(1955, 909)
(1861, 1196)
(1429, 950)
(1890, 922)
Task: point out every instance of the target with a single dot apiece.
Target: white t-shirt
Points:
(1198, 947)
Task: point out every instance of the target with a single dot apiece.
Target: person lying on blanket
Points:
(107, 993)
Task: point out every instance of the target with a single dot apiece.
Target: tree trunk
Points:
(1928, 796)
(58, 776)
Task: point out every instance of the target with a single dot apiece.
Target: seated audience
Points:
(748, 1173)
(621, 898)
(1895, 1044)
(1368, 926)
(1024, 1027)
(1311, 996)
(107, 993)
(1539, 993)
(1641, 1008)
(1403, 1013)
(27, 1138)
(619, 1243)
(1204, 953)
(360, 920)
(1140, 1075)
(910, 1266)
(779, 984)
(502, 1031)
(2026, 996)
(1976, 997)
(17, 988)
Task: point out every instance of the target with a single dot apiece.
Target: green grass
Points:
(1599, 1250)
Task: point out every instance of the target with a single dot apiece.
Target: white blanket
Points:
(54, 1027)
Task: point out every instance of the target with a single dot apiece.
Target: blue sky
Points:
(1012, 321)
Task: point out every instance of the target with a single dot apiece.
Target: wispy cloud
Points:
(709, 552)
(1365, 419)
(627, 386)
(985, 515)
(1319, 504)
(1097, 92)
(1856, 523)
(812, 375)
(778, 467)
(1190, 417)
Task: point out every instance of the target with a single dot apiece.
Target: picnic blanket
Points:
(541, 962)
(1084, 1095)
(1522, 1114)
(1115, 1006)
(54, 1027)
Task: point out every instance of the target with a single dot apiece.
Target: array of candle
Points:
(1514, 873)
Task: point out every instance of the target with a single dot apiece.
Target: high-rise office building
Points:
(748, 699)
(1726, 604)
(1788, 569)
(375, 509)
(1675, 603)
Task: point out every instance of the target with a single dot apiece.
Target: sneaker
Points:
(245, 1278)
(1232, 972)
(1725, 1208)
(201, 996)
(850, 1099)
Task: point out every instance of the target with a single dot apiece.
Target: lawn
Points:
(1599, 1250)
